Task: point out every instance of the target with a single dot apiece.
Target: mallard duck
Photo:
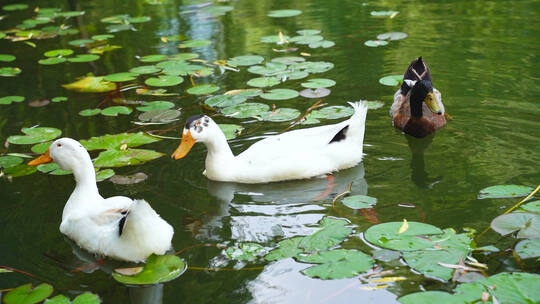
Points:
(117, 227)
(417, 109)
(297, 154)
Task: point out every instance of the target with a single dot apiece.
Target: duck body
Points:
(297, 154)
(417, 109)
(117, 227)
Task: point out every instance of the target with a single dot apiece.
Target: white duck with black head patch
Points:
(297, 154)
(117, 227)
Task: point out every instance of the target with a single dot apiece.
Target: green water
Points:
(484, 58)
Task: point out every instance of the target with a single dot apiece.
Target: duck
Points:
(117, 227)
(417, 109)
(297, 154)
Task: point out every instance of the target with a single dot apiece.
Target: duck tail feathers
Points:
(360, 108)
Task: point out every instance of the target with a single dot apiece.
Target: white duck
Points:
(298, 154)
(117, 227)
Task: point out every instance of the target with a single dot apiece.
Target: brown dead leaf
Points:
(129, 271)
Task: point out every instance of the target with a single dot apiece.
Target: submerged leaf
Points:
(244, 252)
(129, 179)
(158, 269)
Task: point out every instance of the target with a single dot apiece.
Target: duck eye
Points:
(58, 145)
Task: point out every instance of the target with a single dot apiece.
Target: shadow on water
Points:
(419, 176)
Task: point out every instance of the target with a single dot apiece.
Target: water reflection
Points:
(419, 176)
(261, 212)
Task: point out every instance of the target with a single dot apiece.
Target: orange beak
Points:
(43, 159)
(185, 145)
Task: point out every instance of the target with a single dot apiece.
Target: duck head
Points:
(66, 152)
(422, 92)
(198, 128)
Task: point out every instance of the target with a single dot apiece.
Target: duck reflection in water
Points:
(419, 176)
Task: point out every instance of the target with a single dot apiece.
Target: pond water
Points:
(484, 58)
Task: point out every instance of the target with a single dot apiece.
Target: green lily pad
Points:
(115, 19)
(141, 19)
(306, 39)
(359, 201)
(34, 136)
(386, 255)
(337, 264)
(9, 99)
(145, 69)
(245, 60)
(184, 56)
(102, 37)
(289, 60)
(70, 14)
(53, 169)
(115, 141)
(383, 13)
(315, 93)
(279, 94)
(245, 110)
(504, 191)
(280, 114)
(194, 43)
(270, 69)
(315, 66)
(84, 58)
(99, 50)
(216, 10)
(274, 38)
(90, 84)
(527, 249)
(9, 71)
(81, 42)
(333, 231)
(113, 28)
(120, 77)
(20, 170)
(128, 157)
(222, 101)
(428, 297)
(323, 43)
(164, 81)
(262, 82)
(6, 58)
(59, 99)
(318, 83)
(2, 35)
(8, 161)
(244, 252)
(41, 147)
(286, 249)
(392, 36)
(391, 80)
(115, 110)
(203, 89)
(154, 105)
(308, 32)
(158, 269)
(90, 112)
(375, 43)
(178, 67)
(59, 299)
(58, 53)
(531, 206)
(528, 224)
(102, 175)
(291, 74)
(153, 58)
(15, 7)
(160, 115)
(86, 298)
(386, 235)
(332, 112)
(284, 13)
(231, 130)
(26, 294)
(374, 105)
(51, 61)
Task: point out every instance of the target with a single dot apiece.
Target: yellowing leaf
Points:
(129, 271)
(388, 279)
(90, 84)
(374, 287)
(403, 227)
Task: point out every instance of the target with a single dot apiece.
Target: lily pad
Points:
(9, 99)
(141, 19)
(280, 114)
(154, 105)
(184, 56)
(102, 37)
(15, 7)
(20, 170)
(262, 82)
(194, 43)
(392, 36)
(284, 13)
(102, 175)
(527, 249)
(113, 28)
(222, 101)
(391, 80)
(279, 94)
(129, 179)
(359, 201)
(274, 38)
(84, 58)
(315, 93)
(375, 43)
(89, 112)
(286, 249)
(128, 157)
(90, 84)
(160, 116)
(291, 74)
(120, 77)
(332, 112)
(115, 110)
(528, 224)
(51, 61)
(6, 58)
(504, 191)
(231, 130)
(158, 269)
(203, 89)
(153, 58)
(116, 141)
(245, 110)
(145, 69)
(531, 206)
(99, 50)
(245, 60)
(9, 71)
(164, 81)
(383, 13)
(308, 32)
(8, 161)
(269, 69)
(58, 53)
(288, 60)
(86, 298)
(333, 231)
(374, 105)
(244, 252)
(26, 294)
(386, 235)
(52, 168)
(81, 42)
(306, 39)
(59, 299)
(315, 66)
(323, 43)
(34, 136)
(316, 83)
(337, 264)
(41, 147)
(59, 99)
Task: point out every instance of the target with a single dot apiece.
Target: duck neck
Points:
(219, 155)
(85, 177)
(416, 106)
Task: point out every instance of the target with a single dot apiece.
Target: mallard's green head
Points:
(422, 91)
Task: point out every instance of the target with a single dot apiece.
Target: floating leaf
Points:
(115, 19)
(231, 130)
(41, 147)
(270, 69)
(274, 38)
(194, 43)
(375, 43)
(52, 168)
(184, 56)
(51, 61)
(323, 43)
(392, 80)
(7, 58)
(337, 264)
(25, 294)
(15, 7)
(216, 10)
(306, 39)
(245, 60)
(20, 170)
(359, 201)
(102, 37)
(90, 84)
(504, 191)
(145, 69)
(102, 175)
(59, 299)
(392, 36)
(288, 60)
(153, 58)
(154, 105)
(528, 224)
(86, 298)
(89, 112)
(128, 157)
(9, 71)
(333, 231)
(332, 112)
(244, 252)
(115, 110)
(532, 207)
(316, 83)
(527, 249)
(141, 19)
(222, 101)
(374, 105)
(284, 13)
(103, 48)
(83, 58)
(279, 94)
(115, 141)
(8, 161)
(308, 32)
(315, 66)
(245, 110)
(9, 99)
(280, 114)
(59, 52)
(164, 81)
(70, 14)
(386, 255)
(120, 77)
(203, 89)
(160, 116)
(59, 99)
(113, 28)
(158, 269)
(383, 13)
(262, 82)
(129, 179)
(81, 42)
(386, 235)
(34, 135)
(428, 297)
(178, 67)
(287, 249)
(315, 93)
(291, 74)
